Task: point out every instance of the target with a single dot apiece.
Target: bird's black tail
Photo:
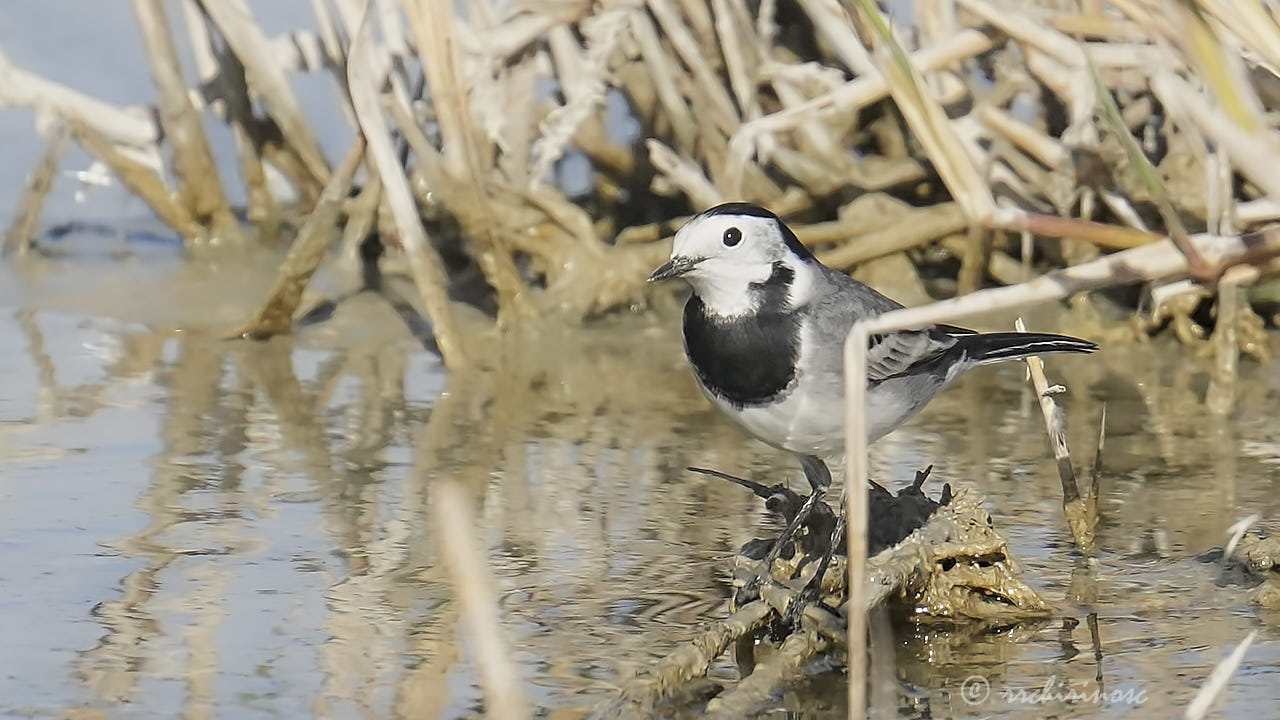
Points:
(993, 347)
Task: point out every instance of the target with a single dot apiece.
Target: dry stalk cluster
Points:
(960, 141)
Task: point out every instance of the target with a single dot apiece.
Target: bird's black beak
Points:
(673, 268)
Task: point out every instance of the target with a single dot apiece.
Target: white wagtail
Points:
(765, 330)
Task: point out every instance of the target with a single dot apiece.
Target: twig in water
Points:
(1079, 519)
(276, 314)
(467, 567)
(1095, 636)
(1221, 396)
(1218, 680)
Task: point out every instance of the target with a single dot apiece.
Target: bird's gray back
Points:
(838, 302)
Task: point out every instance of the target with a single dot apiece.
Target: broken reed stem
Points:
(690, 660)
(954, 566)
(862, 91)
(973, 262)
(467, 565)
(1110, 237)
(918, 227)
(17, 239)
(1154, 261)
(199, 186)
(1221, 396)
(305, 254)
(1079, 518)
(424, 263)
(1256, 156)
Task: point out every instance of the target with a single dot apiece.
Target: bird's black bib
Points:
(751, 359)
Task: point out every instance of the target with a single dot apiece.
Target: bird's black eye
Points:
(732, 237)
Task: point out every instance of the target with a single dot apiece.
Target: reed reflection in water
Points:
(229, 529)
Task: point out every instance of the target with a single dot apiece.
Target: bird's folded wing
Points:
(898, 353)
(891, 354)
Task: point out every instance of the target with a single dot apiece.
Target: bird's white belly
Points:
(811, 421)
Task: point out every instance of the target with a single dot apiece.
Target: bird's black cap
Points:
(745, 208)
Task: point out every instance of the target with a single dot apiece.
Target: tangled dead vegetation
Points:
(540, 152)
(933, 562)
(1251, 560)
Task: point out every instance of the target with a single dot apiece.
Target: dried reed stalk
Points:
(18, 237)
(467, 158)
(860, 92)
(242, 33)
(1231, 306)
(918, 227)
(125, 126)
(424, 263)
(140, 179)
(1080, 520)
(222, 75)
(856, 477)
(200, 189)
(930, 124)
(782, 668)
(305, 254)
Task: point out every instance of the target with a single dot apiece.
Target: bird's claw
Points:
(795, 609)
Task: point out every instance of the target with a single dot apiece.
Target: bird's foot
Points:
(750, 591)
(778, 497)
(812, 590)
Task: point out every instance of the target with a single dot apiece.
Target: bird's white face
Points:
(723, 255)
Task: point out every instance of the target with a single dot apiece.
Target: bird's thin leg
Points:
(819, 477)
(815, 471)
(750, 591)
(813, 589)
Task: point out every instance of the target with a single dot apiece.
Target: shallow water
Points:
(223, 529)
